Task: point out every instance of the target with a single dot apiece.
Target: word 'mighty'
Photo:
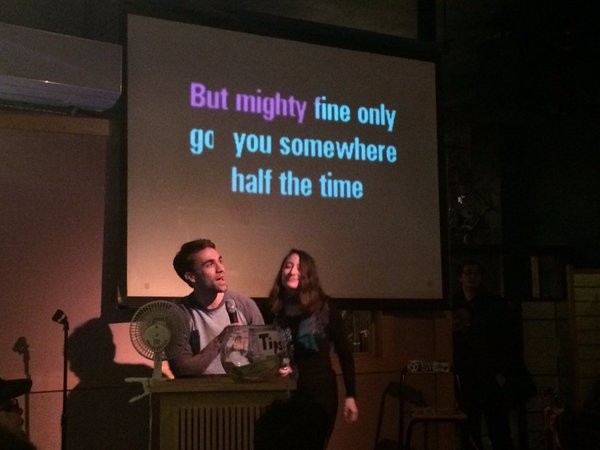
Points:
(269, 107)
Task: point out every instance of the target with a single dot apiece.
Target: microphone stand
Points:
(61, 318)
(22, 348)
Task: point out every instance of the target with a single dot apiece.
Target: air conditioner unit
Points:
(43, 68)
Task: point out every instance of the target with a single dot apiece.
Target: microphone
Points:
(60, 317)
(231, 310)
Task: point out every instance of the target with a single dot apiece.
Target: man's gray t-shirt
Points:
(207, 324)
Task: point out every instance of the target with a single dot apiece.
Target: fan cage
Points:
(146, 316)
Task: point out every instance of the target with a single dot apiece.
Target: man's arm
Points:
(250, 310)
(187, 364)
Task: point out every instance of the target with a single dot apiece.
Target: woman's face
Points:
(290, 272)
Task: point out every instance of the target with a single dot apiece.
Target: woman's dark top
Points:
(311, 338)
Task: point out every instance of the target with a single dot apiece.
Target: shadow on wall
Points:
(99, 415)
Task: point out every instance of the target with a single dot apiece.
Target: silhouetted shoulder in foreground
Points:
(292, 425)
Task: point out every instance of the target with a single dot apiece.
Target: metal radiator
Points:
(217, 428)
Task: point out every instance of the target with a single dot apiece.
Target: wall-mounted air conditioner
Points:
(42, 68)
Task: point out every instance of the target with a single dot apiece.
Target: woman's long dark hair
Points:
(311, 296)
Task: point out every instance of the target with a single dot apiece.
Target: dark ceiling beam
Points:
(426, 20)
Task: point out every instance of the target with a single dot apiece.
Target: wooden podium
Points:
(211, 412)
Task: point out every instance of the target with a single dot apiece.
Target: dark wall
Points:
(523, 81)
(91, 19)
(549, 102)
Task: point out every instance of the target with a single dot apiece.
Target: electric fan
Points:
(158, 330)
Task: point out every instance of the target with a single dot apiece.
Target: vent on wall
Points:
(43, 68)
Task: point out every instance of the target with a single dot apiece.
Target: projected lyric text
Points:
(243, 145)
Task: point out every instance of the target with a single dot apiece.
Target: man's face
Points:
(11, 417)
(471, 276)
(208, 273)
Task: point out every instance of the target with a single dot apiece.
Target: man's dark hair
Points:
(182, 261)
(471, 262)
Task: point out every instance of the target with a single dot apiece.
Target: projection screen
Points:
(263, 144)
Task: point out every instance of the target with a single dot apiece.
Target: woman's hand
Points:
(350, 410)
(286, 369)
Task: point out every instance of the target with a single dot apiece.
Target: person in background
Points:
(486, 357)
(311, 324)
(200, 265)
(12, 435)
